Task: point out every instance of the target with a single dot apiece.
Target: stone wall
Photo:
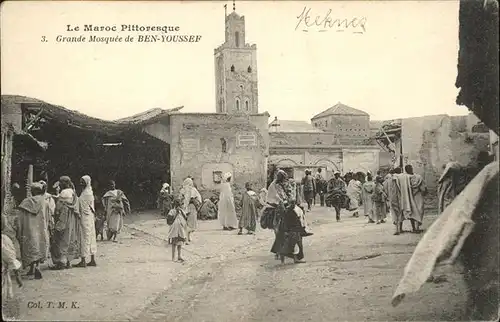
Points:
(206, 145)
(430, 142)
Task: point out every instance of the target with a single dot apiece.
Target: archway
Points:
(328, 165)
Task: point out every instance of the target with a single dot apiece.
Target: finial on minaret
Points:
(234, 5)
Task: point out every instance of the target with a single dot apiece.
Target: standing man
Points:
(336, 193)
(317, 179)
(387, 189)
(308, 186)
(418, 190)
(400, 199)
(321, 187)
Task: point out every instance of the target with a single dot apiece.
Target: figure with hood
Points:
(165, 199)
(191, 202)
(450, 184)
(277, 200)
(354, 192)
(227, 211)
(249, 210)
(50, 207)
(290, 225)
(262, 200)
(387, 190)
(400, 199)
(418, 190)
(33, 230)
(87, 220)
(117, 206)
(66, 237)
(208, 209)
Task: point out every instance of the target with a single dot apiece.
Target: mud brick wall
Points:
(197, 150)
(430, 142)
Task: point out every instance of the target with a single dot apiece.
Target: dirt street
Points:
(351, 271)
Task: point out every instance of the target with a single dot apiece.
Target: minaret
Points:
(236, 69)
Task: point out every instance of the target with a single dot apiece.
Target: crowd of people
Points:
(278, 209)
(57, 228)
(63, 226)
(398, 194)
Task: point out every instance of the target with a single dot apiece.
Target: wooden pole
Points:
(7, 143)
(29, 181)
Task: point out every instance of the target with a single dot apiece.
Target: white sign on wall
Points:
(247, 139)
(190, 145)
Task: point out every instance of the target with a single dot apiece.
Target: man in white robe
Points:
(227, 211)
(87, 215)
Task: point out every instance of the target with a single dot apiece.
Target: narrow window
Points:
(223, 144)
(237, 39)
(247, 106)
(232, 68)
(249, 69)
(237, 104)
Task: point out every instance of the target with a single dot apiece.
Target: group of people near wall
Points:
(59, 227)
(400, 194)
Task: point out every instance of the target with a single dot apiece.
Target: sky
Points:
(403, 65)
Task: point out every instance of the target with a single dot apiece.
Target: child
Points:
(379, 198)
(177, 234)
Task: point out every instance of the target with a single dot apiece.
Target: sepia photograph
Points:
(250, 161)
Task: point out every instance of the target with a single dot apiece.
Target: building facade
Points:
(297, 145)
(206, 146)
(350, 125)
